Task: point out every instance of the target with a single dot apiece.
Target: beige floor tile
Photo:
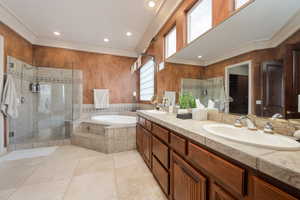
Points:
(5, 194)
(127, 158)
(14, 176)
(94, 164)
(45, 191)
(139, 188)
(53, 170)
(100, 186)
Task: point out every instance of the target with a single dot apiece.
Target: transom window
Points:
(170, 43)
(199, 19)
(240, 3)
(147, 81)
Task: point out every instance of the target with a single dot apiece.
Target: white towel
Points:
(9, 101)
(171, 96)
(101, 98)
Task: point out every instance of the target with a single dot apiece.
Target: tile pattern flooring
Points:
(75, 173)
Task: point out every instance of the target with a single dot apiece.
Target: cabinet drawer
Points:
(160, 132)
(142, 121)
(161, 151)
(148, 125)
(161, 175)
(263, 190)
(231, 175)
(178, 143)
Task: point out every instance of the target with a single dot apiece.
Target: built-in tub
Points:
(114, 119)
(107, 133)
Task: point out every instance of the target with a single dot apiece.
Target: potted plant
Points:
(186, 103)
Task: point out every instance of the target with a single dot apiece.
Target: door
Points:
(219, 194)
(238, 88)
(272, 89)
(147, 146)
(187, 183)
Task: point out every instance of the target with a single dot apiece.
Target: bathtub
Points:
(114, 119)
(107, 133)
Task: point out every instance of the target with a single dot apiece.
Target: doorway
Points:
(238, 88)
(272, 88)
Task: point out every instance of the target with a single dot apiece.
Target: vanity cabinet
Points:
(186, 170)
(264, 190)
(219, 193)
(143, 139)
(187, 183)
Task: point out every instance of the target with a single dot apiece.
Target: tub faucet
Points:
(268, 128)
(250, 124)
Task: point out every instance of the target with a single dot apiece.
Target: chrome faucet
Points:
(250, 124)
(268, 128)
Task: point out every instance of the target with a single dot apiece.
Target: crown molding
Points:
(166, 10)
(187, 62)
(11, 20)
(84, 47)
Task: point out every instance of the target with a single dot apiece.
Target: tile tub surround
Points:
(104, 138)
(283, 166)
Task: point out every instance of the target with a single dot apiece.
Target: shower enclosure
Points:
(49, 101)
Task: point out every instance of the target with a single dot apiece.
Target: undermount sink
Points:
(255, 138)
(155, 111)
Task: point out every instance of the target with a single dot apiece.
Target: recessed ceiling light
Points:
(199, 57)
(106, 40)
(56, 33)
(129, 34)
(151, 4)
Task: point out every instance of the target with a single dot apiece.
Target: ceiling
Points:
(86, 23)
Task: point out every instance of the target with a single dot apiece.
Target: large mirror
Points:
(258, 68)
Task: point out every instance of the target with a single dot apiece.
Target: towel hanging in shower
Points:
(9, 101)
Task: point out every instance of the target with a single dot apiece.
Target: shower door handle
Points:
(22, 100)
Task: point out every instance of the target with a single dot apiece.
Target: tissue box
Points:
(184, 116)
(200, 114)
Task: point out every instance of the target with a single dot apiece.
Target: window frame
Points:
(188, 24)
(242, 6)
(140, 80)
(166, 41)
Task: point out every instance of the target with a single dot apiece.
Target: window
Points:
(147, 81)
(239, 3)
(199, 19)
(170, 43)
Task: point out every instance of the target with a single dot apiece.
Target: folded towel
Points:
(101, 98)
(171, 96)
(9, 101)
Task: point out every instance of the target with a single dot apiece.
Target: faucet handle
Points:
(268, 128)
(238, 122)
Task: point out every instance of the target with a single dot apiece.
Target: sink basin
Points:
(156, 112)
(254, 138)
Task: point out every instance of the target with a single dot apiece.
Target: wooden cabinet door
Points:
(146, 146)
(263, 191)
(186, 182)
(139, 138)
(219, 194)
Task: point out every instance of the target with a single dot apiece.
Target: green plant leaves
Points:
(186, 101)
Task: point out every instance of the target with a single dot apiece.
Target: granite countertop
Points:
(282, 165)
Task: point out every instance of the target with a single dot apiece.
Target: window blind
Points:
(147, 81)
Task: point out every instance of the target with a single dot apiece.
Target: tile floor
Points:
(75, 173)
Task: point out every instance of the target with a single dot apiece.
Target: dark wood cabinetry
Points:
(187, 183)
(264, 190)
(219, 193)
(143, 138)
(188, 171)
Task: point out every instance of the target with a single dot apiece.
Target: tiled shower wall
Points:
(43, 115)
